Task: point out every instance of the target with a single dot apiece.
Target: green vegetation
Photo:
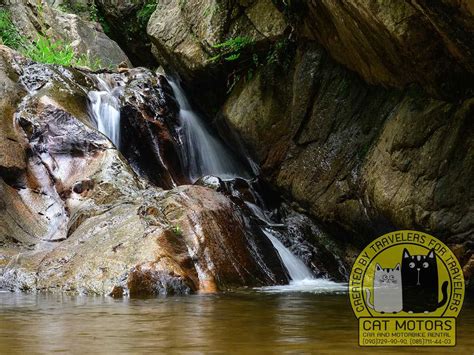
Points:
(144, 14)
(231, 49)
(43, 49)
(177, 230)
(89, 11)
(46, 50)
(8, 32)
(211, 10)
(245, 57)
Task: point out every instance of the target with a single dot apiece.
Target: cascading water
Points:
(297, 270)
(203, 154)
(302, 279)
(105, 110)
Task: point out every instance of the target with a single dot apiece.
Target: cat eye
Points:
(425, 265)
(392, 277)
(411, 265)
(384, 277)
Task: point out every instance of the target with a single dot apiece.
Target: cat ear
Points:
(378, 267)
(431, 254)
(397, 268)
(406, 254)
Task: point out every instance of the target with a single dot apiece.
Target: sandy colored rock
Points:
(85, 37)
(78, 219)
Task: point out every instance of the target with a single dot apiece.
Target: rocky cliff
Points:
(365, 119)
(75, 217)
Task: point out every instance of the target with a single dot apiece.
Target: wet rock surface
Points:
(76, 217)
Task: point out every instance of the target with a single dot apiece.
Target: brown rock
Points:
(399, 42)
(83, 222)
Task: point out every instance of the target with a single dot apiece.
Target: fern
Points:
(231, 49)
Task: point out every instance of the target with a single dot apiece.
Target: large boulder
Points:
(396, 43)
(361, 159)
(75, 217)
(184, 35)
(85, 37)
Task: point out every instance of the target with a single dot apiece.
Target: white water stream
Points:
(297, 270)
(203, 154)
(105, 110)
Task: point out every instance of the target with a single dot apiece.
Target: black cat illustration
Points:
(420, 283)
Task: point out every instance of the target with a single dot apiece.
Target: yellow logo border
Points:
(357, 288)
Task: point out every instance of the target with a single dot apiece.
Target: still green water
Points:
(250, 321)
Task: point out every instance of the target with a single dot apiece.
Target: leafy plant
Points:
(245, 57)
(49, 51)
(93, 12)
(231, 49)
(8, 32)
(144, 14)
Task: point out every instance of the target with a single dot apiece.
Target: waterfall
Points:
(302, 279)
(104, 109)
(297, 270)
(202, 153)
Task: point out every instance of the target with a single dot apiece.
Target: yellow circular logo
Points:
(406, 288)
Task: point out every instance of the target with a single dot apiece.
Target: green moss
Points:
(211, 10)
(177, 231)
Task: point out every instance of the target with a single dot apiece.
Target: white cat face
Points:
(387, 277)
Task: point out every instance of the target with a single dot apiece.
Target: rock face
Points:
(398, 43)
(126, 22)
(376, 160)
(85, 37)
(387, 147)
(74, 217)
(184, 33)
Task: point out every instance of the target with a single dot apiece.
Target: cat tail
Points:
(368, 298)
(444, 288)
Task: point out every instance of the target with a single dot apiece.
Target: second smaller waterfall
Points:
(297, 270)
(105, 110)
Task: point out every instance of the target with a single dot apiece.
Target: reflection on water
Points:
(250, 321)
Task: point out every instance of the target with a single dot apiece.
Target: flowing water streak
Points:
(296, 268)
(105, 109)
(203, 154)
(302, 279)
